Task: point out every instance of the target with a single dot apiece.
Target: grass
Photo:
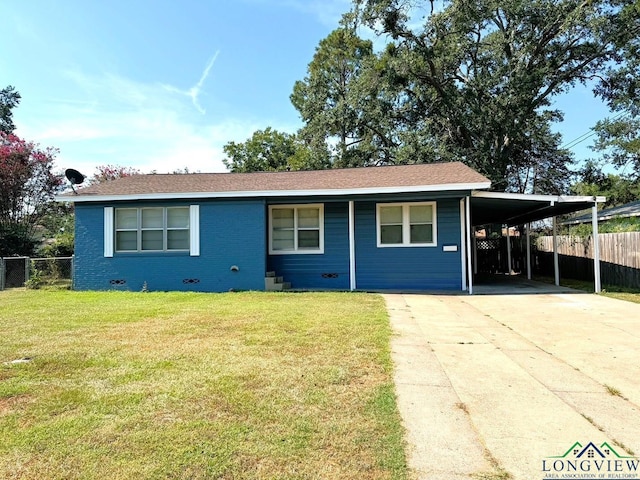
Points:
(611, 291)
(197, 386)
(613, 391)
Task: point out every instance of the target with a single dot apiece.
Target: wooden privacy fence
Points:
(619, 257)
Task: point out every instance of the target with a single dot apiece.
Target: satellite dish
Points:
(74, 177)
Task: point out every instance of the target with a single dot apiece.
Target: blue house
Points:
(396, 227)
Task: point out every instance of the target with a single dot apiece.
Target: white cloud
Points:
(114, 120)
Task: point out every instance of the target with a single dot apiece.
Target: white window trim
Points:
(194, 232)
(109, 232)
(140, 229)
(296, 251)
(406, 226)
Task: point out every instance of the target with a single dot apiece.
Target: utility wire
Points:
(576, 141)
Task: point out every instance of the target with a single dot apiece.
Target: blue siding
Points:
(329, 270)
(403, 268)
(234, 232)
(231, 233)
(408, 268)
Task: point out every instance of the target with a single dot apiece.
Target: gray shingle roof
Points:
(454, 175)
(631, 209)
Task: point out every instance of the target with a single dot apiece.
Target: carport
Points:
(514, 209)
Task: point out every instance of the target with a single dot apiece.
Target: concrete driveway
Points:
(491, 386)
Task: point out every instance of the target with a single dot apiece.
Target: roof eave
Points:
(80, 198)
(539, 197)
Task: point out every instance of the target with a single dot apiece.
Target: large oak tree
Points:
(476, 80)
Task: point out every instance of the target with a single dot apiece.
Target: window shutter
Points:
(194, 227)
(108, 231)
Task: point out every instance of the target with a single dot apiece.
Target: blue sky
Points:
(163, 85)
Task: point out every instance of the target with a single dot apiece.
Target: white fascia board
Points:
(514, 196)
(537, 197)
(577, 198)
(273, 193)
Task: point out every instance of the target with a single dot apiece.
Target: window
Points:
(407, 224)
(296, 229)
(152, 229)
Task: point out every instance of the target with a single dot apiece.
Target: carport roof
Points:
(518, 209)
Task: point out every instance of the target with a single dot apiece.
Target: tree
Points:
(58, 226)
(336, 101)
(474, 81)
(271, 151)
(619, 141)
(9, 99)
(27, 186)
(106, 173)
(183, 171)
(619, 189)
(619, 137)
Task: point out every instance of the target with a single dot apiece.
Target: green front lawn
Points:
(197, 386)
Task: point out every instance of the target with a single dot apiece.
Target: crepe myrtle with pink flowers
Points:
(28, 184)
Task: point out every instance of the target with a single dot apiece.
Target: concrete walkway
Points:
(492, 385)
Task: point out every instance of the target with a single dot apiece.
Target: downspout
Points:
(596, 248)
(352, 247)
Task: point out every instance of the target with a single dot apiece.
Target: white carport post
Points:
(352, 246)
(556, 267)
(596, 248)
(528, 251)
(468, 229)
(463, 245)
(508, 251)
(475, 254)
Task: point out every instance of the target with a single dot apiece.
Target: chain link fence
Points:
(18, 272)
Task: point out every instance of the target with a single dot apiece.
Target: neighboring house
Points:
(396, 227)
(631, 209)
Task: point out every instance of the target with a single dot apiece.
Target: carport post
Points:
(556, 267)
(352, 247)
(596, 248)
(463, 246)
(475, 253)
(469, 270)
(528, 251)
(508, 251)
